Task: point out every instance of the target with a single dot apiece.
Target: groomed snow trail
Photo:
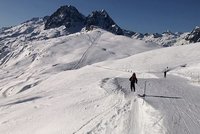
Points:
(130, 115)
(144, 119)
(178, 101)
(171, 106)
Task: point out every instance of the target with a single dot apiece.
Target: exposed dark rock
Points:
(74, 21)
(68, 16)
(147, 34)
(102, 20)
(157, 35)
(128, 33)
(168, 32)
(194, 36)
(138, 35)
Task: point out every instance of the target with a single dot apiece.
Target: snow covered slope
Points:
(54, 83)
(158, 60)
(39, 83)
(58, 86)
(175, 100)
(97, 43)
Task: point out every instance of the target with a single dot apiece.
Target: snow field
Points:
(79, 84)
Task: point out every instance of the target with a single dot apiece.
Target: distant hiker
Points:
(165, 72)
(133, 80)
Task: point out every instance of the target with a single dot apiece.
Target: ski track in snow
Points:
(174, 102)
(167, 109)
(93, 41)
(132, 115)
(96, 99)
(128, 116)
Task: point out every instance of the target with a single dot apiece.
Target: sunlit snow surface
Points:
(78, 84)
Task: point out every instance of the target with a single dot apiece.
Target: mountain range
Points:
(69, 73)
(67, 20)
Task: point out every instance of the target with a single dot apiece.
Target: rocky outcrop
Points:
(71, 18)
(194, 36)
(68, 16)
(102, 20)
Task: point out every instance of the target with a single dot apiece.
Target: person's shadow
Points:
(161, 96)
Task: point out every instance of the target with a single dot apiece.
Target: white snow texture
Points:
(78, 84)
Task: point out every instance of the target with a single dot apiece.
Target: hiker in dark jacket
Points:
(165, 72)
(133, 80)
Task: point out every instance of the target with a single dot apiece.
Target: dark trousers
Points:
(165, 73)
(133, 86)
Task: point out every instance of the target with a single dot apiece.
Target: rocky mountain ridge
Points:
(67, 20)
(71, 18)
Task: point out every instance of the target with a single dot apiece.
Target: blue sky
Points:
(136, 15)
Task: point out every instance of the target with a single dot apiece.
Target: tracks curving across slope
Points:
(171, 106)
(130, 115)
(93, 41)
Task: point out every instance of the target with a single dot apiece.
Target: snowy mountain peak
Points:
(35, 19)
(103, 12)
(197, 27)
(68, 16)
(194, 36)
(165, 39)
(168, 32)
(68, 20)
(103, 20)
(154, 35)
(74, 21)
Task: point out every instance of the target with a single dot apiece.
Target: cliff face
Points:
(103, 20)
(68, 16)
(194, 36)
(71, 18)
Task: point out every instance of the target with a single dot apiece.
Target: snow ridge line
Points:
(131, 71)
